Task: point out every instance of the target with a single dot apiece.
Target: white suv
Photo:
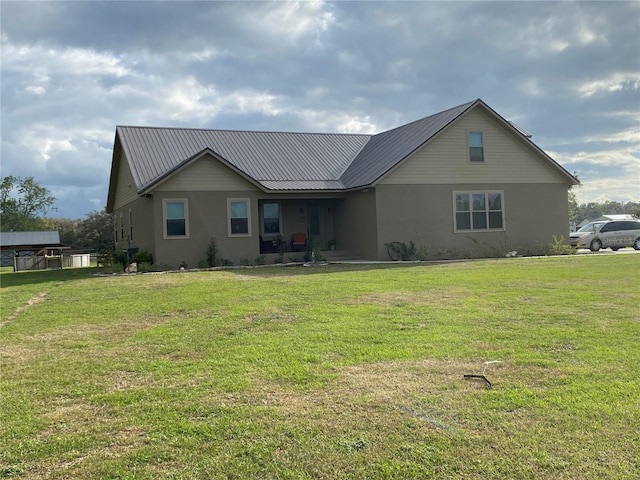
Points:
(613, 235)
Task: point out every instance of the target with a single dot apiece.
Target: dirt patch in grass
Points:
(410, 298)
(41, 297)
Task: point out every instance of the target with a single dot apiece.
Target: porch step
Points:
(339, 255)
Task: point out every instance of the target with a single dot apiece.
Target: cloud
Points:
(568, 72)
(613, 83)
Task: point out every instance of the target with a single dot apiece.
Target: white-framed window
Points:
(478, 211)
(130, 225)
(239, 215)
(115, 229)
(271, 218)
(175, 213)
(476, 147)
(121, 227)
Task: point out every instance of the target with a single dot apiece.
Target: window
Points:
(271, 218)
(238, 212)
(478, 211)
(130, 225)
(476, 147)
(121, 227)
(175, 218)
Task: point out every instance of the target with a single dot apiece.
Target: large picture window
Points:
(271, 218)
(476, 147)
(478, 211)
(176, 222)
(239, 216)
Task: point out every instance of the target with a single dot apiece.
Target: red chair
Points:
(299, 242)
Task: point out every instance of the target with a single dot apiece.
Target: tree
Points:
(23, 203)
(95, 231)
(573, 204)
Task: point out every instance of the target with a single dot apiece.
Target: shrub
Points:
(145, 267)
(212, 253)
(261, 260)
(401, 250)
(142, 257)
(559, 247)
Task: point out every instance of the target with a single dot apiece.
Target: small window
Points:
(271, 218)
(175, 218)
(239, 218)
(121, 227)
(609, 227)
(476, 147)
(478, 211)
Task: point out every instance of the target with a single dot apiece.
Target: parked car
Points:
(587, 229)
(613, 235)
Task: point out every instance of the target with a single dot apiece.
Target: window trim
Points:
(476, 192)
(229, 230)
(165, 201)
(262, 217)
(121, 226)
(475, 162)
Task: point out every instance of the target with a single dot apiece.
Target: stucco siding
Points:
(206, 174)
(356, 228)
(137, 222)
(207, 219)
(424, 214)
(125, 190)
(508, 159)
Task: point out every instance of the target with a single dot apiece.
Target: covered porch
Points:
(297, 225)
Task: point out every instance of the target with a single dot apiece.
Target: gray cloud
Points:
(569, 72)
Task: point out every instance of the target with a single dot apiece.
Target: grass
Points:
(332, 372)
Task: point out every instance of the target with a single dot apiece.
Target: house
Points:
(460, 176)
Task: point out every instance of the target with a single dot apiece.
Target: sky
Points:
(567, 72)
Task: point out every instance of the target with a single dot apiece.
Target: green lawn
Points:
(328, 372)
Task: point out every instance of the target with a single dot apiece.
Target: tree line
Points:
(24, 205)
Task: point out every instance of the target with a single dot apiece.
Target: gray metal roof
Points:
(282, 161)
(385, 150)
(23, 239)
(266, 157)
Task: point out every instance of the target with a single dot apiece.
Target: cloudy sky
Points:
(568, 72)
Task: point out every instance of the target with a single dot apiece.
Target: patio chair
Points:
(298, 242)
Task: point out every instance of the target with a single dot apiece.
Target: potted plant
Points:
(332, 244)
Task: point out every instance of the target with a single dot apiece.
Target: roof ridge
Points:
(466, 104)
(232, 130)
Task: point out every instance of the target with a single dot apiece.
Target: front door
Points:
(315, 219)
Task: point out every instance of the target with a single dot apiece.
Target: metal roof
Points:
(265, 157)
(23, 239)
(283, 161)
(385, 150)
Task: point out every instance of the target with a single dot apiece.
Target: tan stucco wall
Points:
(356, 229)
(424, 214)
(207, 217)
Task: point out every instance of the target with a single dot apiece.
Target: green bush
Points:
(402, 250)
(212, 253)
(142, 257)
